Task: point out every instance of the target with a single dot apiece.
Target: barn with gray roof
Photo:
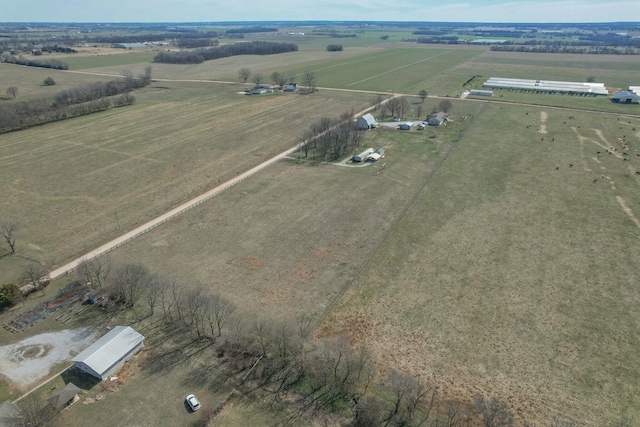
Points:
(106, 355)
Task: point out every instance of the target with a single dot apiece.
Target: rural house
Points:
(437, 119)
(106, 355)
(366, 122)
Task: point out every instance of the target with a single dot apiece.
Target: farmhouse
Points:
(366, 122)
(626, 97)
(110, 352)
(437, 119)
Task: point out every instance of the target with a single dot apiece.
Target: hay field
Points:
(515, 274)
(79, 182)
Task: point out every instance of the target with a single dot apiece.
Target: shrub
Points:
(49, 81)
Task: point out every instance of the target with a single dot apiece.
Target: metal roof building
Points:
(634, 89)
(366, 122)
(626, 97)
(547, 86)
(110, 352)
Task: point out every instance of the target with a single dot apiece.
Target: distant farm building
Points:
(405, 126)
(480, 92)
(437, 119)
(547, 86)
(361, 157)
(106, 355)
(258, 91)
(374, 157)
(380, 151)
(488, 41)
(366, 122)
(626, 97)
(634, 89)
(292, 87)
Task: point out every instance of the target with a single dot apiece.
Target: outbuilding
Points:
(626, 97)
(405, 126)
(366, 122)
(106, 355)
(480, 92)
(65, 397)
(361, 157)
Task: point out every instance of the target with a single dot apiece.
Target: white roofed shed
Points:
(106, 355)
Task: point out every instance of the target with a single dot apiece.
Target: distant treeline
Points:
(590, 50)
(200, 55)
(335, 48)
(58, 49)
(21, 60)
(72, 102)
(248, 30)
(439, 40)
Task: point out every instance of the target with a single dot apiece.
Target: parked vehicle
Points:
(193, 402)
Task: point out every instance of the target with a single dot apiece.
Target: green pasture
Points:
(76, 183)
(514, 274)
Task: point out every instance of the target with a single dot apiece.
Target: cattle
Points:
(595, 180)
(570, 165)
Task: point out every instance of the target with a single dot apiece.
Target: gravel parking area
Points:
(30, 360)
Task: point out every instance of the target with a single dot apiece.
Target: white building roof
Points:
(547, 85)
(369, 119)
(105, 352)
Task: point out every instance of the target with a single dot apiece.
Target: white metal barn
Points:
(634, 89)
(547, 86)
(110, 352)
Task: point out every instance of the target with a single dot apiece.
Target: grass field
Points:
(511, 271)
(97, 176)
(514, 273)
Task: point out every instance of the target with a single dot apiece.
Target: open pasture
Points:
(76, 183)
(29, 81)
(515, 273)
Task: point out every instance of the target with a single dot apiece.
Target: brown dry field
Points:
(78, 183)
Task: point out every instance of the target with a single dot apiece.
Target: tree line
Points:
(200, 55)
(331, 138)
(550, 48)
(247, 30)
(72, 102)
(55, 64)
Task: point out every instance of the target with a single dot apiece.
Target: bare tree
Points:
(495, 413)
(422, 94)
(309, 80)
(9, 231)
(153, 290)
(129, 282)
(453, 413)
(419, 111)
(278, 79)
(221, 310)
(35, 411)
(94, 272)
(409, 394)
(403, 106)
(257, 79)
(376, 101)
(36, 275)
(244, 74)
(445, 105)
(12, 91)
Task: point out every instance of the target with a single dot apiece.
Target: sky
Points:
(347, 10)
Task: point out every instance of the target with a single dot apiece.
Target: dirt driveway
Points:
(29, 361)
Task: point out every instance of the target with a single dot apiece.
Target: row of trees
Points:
(592, 50)
(72, 102)
(200, 55)
(330, 139)
(21, 60)
(335, 48)
(308, 78)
